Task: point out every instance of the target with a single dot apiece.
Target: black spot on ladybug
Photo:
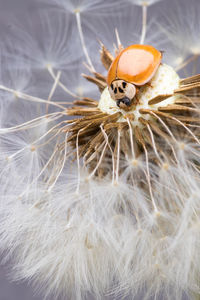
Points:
(124, 84)
(115, 90)
(120, 90)
(111, 86)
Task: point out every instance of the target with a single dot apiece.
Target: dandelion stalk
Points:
(53, 89)
(196, 296)
(27, 97)
(144, 23)
(186, 62)
(51, 71)
(78, 20)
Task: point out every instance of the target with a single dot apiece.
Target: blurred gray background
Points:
(8, 289)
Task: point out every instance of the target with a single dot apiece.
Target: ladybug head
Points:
(122, 92)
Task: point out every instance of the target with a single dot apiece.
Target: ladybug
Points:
(132, 68)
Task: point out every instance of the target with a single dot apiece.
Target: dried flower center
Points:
(110, 139)
(162, 86)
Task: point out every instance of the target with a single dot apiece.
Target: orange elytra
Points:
(132, 68)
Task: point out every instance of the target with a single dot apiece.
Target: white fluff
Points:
(182, 32)
(75, 243)
(40, 41)
(144, 2)
(86, 6)
(65, 231)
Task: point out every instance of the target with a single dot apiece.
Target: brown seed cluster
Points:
(103, 142)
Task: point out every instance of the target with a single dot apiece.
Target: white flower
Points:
(95, 198)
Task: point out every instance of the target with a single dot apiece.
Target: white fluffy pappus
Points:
(182, 33)
(68, 231)
(144, 2)
(94, 235)
(56, 31)
(37, 45)
(87, 7)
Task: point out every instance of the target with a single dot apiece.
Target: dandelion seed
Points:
(51, 50)
(144, 2)
(185, 41)
(102, 196)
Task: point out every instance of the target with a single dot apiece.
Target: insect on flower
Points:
(133, 67)
(101, 195)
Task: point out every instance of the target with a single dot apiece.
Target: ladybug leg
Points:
(149, 84)
(118, 102)
(136, 99)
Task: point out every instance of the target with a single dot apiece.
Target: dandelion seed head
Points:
(165, 166)
(182, 33)
(51, 50)
(144, 2)
(178, 60)
(195, 49)
(85, 6)
(134, 162)
(95, 198)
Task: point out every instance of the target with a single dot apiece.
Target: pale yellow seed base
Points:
(165, 81)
